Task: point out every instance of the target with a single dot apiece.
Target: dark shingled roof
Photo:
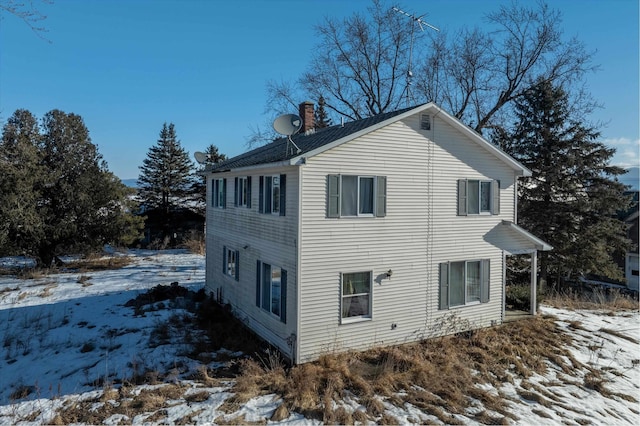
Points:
(276, 151)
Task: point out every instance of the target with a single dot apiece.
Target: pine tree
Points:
(199, 188)
(573, 195)
(321, 118)
(166, 176)
(58, 195)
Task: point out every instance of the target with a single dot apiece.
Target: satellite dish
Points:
(201, 157)
(287, 124)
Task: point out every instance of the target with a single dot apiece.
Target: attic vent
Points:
(425, 122)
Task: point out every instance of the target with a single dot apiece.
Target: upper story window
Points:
(219, 193)
(242, 195)
(478, 197)
(349, 195)
(272, 194)
(463, 283)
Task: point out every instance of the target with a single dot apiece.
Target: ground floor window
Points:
(271, 289)
(464, 282)
(356, 295)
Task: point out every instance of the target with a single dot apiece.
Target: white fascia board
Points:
(256, 167)
(540, 245)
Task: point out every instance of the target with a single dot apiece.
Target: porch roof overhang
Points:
(537, 243)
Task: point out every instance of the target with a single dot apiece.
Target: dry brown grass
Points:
(619, 334)
(439, 376)
(613, 300)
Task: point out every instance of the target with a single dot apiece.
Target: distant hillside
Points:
(632, 178)
(131, 183)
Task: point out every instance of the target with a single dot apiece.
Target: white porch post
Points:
(534, 281)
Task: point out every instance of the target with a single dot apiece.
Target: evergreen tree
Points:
(166, 177)
(199, 189)
(321, 118)
(20, 224)
(573, 195)
(58, 195)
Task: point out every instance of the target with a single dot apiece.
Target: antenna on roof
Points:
(288, 125)
(421, 23)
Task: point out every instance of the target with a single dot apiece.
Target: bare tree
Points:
(359, 65)
(27, 12)
(486, 70)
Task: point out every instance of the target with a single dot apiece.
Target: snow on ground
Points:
(63, 335)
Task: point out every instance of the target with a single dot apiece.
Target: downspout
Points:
(296, 347)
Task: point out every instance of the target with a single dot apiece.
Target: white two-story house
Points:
(380, 231)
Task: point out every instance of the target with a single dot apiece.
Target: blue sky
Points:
(128, 66)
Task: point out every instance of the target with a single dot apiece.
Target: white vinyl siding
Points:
(255, 236)
(420, 230)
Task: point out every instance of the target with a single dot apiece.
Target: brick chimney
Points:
(306, 112)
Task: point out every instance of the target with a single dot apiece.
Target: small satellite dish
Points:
(201, 157)
(287, 124)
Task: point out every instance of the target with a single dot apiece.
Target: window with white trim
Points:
(356, 295)
(352, 195)
(219, 193)
(271, 289)
(478, 197)
(242, 194)
(463, 283)
(272, 194)
(230, 262)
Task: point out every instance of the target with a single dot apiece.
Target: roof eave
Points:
(539, 244)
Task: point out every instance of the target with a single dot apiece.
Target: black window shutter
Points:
(261, 195)
(224, 193)
(495, 193)
(248, 192)
(283, 194)
(381, 196)
(266, 291)
(237, 265)
(484, 283)
(236, 192)
(444, 286)
(267, 194)
(283, 296)
(333, 196)
(214, 193)
(224, 260)
(462, 197)
(258, 268)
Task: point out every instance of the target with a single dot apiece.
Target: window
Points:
(231, 262)
(271, 290)
(478, 197)
(219, 193)
(272, 196)
(425, 122)
(463, 283)
(349, 195)
(356, 295)
(242, 197)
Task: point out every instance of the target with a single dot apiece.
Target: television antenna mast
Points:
(421, 23)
